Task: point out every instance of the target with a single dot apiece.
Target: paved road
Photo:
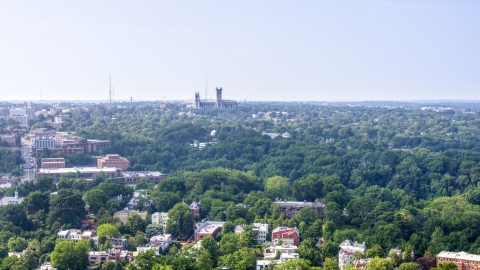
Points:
(29, 166)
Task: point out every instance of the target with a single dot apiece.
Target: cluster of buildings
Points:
(63, 142)
(112, 165)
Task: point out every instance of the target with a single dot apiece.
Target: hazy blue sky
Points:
(255, 50)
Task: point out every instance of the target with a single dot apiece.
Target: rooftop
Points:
(458, 255)
(209, 227)
(142, 173)
(80, 169)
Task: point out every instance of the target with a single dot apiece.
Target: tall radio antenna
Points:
(110, 89)
(206, 87)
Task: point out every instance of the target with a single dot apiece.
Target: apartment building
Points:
(123, 215)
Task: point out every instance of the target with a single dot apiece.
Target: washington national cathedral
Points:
(219, 103)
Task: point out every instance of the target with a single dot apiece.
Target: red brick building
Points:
(209, 228)
(196, 208)
(287, 235)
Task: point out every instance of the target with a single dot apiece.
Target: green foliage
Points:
(66, 207)
(70, 255)
(108, 230)
(180, 220)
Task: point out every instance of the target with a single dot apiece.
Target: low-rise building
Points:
(209, 228)
(52, 163)
(109, 255)
(117, 243)
(11, 200)
(160, 218)
(85, 172)
(347, 250)
(75, 235)
(287, 235)
(289, 208)
(131, 177)
(113, 161)
(462, 260)
(123, 215)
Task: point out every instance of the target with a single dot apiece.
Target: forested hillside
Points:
(388, 177)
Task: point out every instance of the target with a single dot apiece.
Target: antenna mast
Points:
(110, 89)
(206, 87)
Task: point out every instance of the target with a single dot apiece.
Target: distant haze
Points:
(254, 50)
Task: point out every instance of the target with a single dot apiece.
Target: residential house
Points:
(260, 231)
(347, 249)
(286, 235)
(123, 215)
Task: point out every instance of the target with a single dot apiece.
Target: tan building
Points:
(123, 215)
(113, 161)
(52, 163)
(462, 260)
(160, 218)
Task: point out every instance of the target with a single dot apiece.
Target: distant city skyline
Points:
(255, 50)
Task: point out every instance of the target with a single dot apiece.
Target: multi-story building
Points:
(75, 235)
(60, 118)
(85, 172)
(42, 132)
(287, 235)
(260, 231)
(131, 177)
(156, 243)
(347, 250)
(196, 208)
(117, 243)
(113, 161)
(160, 218)
(43, 142)
(52, 163)
(64, 149)
(218, 103)
(462, 260)
(289, 208)
(287, 252)
(22, 112)
(8, 139)
(123, 215)
(116, 255)
(209, 228)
